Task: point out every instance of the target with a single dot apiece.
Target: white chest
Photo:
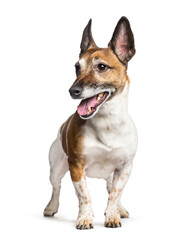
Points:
(108, 145)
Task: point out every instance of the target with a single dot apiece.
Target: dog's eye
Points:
(77, 66)
(101, 67)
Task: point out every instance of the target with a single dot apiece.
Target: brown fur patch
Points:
(114, 77)
(76, 171)
(72, 143)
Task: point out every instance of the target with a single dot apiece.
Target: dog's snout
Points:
(75, 91)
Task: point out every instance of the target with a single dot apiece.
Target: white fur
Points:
(82, 63)
(85, 215)
(110, 135)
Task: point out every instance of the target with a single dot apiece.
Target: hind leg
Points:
(58, 168)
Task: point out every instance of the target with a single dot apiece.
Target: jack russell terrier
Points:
(99, 140)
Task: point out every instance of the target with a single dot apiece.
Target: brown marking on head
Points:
(115, 58)
(114, 76)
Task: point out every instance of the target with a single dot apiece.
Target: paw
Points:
(123, 213)
(113, 222)
(83, 224)
(49, 212)
(51, 209)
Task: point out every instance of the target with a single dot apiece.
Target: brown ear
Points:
(122, 42)
(87, 39)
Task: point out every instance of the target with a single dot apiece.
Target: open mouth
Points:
(89, 106)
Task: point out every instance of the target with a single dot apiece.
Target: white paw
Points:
(123, 213)
(112, 221)
(51, 209)
(83, 224)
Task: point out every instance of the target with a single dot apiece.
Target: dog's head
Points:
(101, 72)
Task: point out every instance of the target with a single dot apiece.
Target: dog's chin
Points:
(88, 107)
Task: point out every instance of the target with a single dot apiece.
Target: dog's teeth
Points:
(100, 95)
(89, 110)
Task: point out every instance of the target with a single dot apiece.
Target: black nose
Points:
(75, 91)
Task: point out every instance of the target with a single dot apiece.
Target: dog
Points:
(100, 139)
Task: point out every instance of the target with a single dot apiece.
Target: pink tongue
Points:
(83, 107)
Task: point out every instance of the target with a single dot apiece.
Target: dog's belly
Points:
(100, 163)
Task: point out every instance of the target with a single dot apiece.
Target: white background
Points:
(40, 45)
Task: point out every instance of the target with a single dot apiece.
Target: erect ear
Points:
(122, 42)
(87, 39)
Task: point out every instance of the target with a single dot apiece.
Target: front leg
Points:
(85, 216)
(122, 211)
(112, 218)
